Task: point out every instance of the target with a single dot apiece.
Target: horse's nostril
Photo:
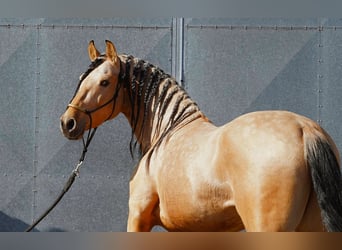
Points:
(71, 124)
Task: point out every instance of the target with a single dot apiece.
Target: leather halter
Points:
(112, 100)
(89, 112)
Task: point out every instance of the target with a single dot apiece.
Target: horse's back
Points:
(270, 133)
(264, 137)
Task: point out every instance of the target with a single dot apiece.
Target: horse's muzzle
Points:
(71, 128)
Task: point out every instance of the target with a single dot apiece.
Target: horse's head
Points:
(98, 96)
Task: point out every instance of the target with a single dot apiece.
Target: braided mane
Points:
(151, 91)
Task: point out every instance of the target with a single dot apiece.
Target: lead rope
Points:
(71, 179)
(86, 143)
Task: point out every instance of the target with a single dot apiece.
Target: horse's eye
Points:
(104, 83)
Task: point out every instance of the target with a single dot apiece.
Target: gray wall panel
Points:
(330, 100)
(17, 102)
(231, 71)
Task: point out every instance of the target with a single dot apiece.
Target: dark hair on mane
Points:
(94, 64)
(142, 81)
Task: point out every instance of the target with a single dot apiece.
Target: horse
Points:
(268, 170)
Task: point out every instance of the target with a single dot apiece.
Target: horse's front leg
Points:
(142, 216)
(143, 205)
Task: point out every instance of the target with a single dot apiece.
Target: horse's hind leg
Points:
(270, 217)
(311, 221)
(274, 204)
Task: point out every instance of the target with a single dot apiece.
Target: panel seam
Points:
(36, 123)
(177, 50)
(320, 75)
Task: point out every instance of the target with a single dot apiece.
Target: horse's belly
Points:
(193, 214)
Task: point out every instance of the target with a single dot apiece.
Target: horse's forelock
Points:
(94, 64)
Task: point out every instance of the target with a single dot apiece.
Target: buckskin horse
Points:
(263, 171)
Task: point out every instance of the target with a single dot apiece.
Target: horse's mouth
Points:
(74, 135)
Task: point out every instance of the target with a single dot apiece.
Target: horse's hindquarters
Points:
(270, 176)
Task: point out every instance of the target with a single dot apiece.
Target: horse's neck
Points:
(170, 108)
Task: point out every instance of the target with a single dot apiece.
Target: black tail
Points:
(327, 182)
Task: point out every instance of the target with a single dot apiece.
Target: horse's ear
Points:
(111, 51)
(92, 51)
